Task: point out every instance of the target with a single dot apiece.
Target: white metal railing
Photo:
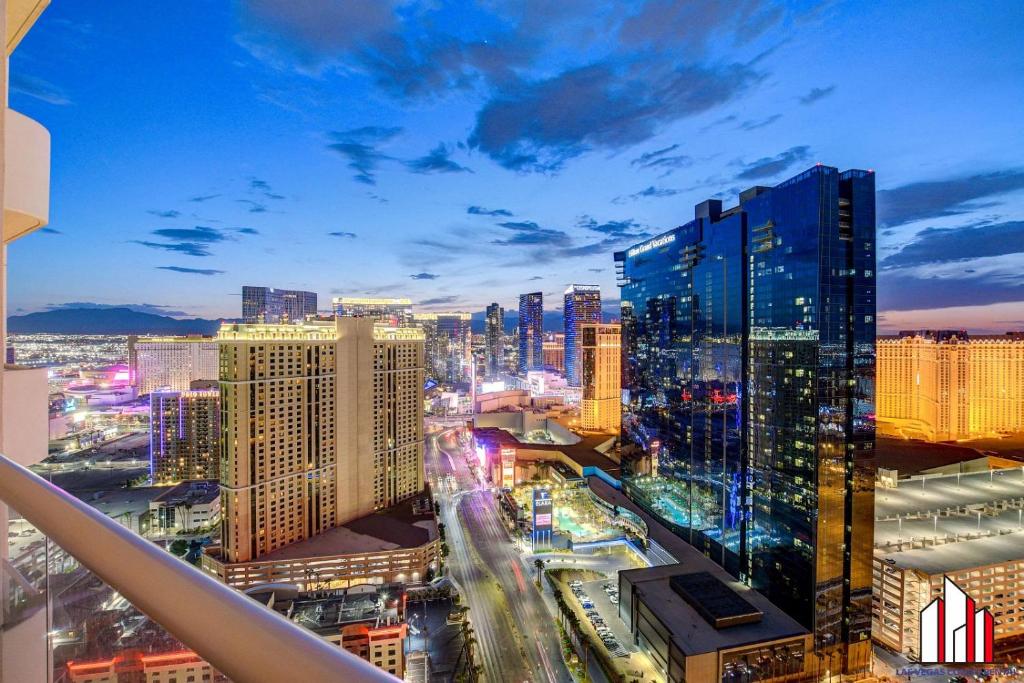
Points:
(238, 636)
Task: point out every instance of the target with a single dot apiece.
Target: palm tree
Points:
(539, 564)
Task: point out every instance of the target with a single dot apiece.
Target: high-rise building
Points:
(171, 363)
(269, 305)
(448, 346)
(531, 331)
(601, 375)
(494, 340)
(554, 351)
(390, 311)
(184, 435)
(944, 385)
(582, 305)
(322, 424)
(748, 341)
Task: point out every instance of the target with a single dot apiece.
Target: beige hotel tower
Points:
(322, 423)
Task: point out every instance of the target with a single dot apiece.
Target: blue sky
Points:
(460, 154)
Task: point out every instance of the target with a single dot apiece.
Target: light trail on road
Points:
(517, 637)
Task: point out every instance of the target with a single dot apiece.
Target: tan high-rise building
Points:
(601, 363)
(170, 363)
(322, 423)
(947, 385)
(554, 351)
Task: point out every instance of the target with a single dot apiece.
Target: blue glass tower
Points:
(582, 305)
(748, 344)
(531, 332)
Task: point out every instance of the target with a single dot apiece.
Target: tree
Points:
(539, 564)
(179, 547)
(441, 530)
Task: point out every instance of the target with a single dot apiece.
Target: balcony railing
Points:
(63, 547)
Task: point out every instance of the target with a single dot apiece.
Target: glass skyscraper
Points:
(494, 339)
(582, 306)
(748, 364)
(531, 331)
(269, 305)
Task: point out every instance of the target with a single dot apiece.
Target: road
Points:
(517, 639)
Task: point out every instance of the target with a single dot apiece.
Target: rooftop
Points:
(954, 557)
(390, 529)
(194, 492)
(583, 453)
(692, 632)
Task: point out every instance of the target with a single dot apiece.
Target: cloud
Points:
(636, 68)
(647, 193)
(816, 94)
(596, 270)
(535, 277)
(259, 185)
(941, 245)
(197, 234)
(247, 231)
(187, 248)
(766, 167)
(39, 89)
(254, 207)
(759, 123)
(191, 271)
(663, 159)
(898, 292)
(171, 213)
(360, 147)
(539, 125)
(438, 160)
(439, 300)
(203, 198)
(51, 231)
(481, 211)
(342, 233)
(528, 233)
(948, 197)
(424, 276)
(156, 309)
(624, 229)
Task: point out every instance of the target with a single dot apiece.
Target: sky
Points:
(460, 153)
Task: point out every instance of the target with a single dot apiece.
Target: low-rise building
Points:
(189, 506)
(366, 620)
(695, 623)
(132, 666)
(968, 526)
(393, 546)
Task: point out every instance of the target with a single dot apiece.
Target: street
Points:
(517, 639)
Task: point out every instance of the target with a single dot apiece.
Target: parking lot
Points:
(594, 599)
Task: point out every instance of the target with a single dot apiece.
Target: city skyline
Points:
(416, 168)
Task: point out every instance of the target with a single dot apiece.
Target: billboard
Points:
(508, 467)
(543, 507)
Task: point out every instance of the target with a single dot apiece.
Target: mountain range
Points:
(107, 321)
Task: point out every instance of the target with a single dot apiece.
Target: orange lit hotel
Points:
(947, 385)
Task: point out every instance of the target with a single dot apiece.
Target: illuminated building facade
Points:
(449, 345)
(171, 363)
(748, 341)
(394, 312)
(943, 385)
(601, 372)
(494, 340)
(531, 332)
(582, 306)
(322, 423)
(184, 435)
(554, 351)
(269, 305)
